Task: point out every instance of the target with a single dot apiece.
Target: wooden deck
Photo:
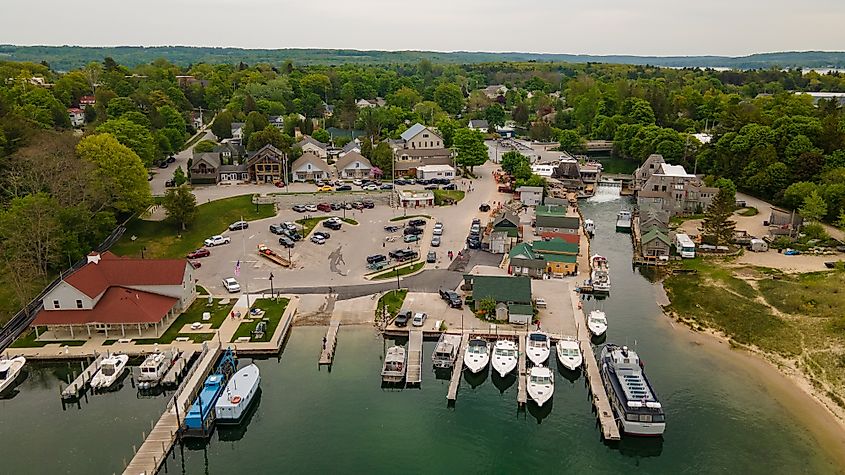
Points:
(458, 369)
(327, 355)
(522, 383)
(157, 444)
(414, 372)
(179, 366)
(78, 385)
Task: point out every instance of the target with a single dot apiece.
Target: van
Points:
(758, 245)
(684, 246)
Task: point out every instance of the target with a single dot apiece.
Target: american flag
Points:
(238, 268)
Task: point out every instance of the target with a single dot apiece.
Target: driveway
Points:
(161, 175)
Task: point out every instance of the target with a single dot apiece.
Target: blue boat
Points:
(199, 420)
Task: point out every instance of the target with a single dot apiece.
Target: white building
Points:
(530, 195)
(353, 165)
(77, 117)
(309, 144)
(416, 198)
(427, 172)
(310, 167)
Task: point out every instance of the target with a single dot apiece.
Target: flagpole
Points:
(246, 281)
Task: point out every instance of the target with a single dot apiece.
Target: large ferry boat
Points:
(634, 401)
(600, 275)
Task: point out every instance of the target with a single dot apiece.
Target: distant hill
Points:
(70, 57)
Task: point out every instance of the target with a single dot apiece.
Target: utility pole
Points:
(246, 281)
(272, 291)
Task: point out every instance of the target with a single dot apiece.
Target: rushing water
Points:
(309, 420)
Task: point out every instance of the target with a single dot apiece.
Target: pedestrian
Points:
(324, 343)
(384, 244)
(538, 325)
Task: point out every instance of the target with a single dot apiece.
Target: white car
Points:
(371, 187)
(231, 285)
(438, 229)
(318, 240)
(311, 208)
(419, 319)
(216, 241)
(357, 182)
(290, 226)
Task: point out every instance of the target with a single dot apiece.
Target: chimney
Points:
(94, 257)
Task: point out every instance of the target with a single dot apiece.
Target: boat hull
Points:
(504, 367)
(597, 331)
(243, 385)
(540, 395)
(643, 429)
(15, 368)
(477, 365)
(538, 357)
(571, 364)
(101, 381)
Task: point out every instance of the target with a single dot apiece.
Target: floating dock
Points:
(458, 369)
(327, 355)
(79, 384)
(414, 373)
(522, 382)
(179, 366)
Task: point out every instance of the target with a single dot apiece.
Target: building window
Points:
(79, 304)
(56, 304)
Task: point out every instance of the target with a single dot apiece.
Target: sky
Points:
(637, 27)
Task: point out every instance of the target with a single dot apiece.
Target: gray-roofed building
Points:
(479, 124)
(353, 165)
(310, 167)
(564, 227)
(418, 146)
(230, 173)
(353, 146)
(309, 144)
(530, 195)
(238, 132)
(277, 121)
(205, 168)
(655, 244)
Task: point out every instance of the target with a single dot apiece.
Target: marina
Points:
(78, 385)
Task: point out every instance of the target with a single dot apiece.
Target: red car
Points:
(199, 253)
(325, 207)
(195, 264)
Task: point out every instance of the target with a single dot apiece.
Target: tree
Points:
(717, 224)
(119, 106)
(181, 206)
(520, 114)
(540, 131)
(840, 222)
(487, 307)
(138, 138)
(511, 160)
(272, 136)
(495, 115)
(204, 146)
(179, 177)
(222, 125)
(404, 97)
(570, 141)
(31, 233)
(794, 196)
(255, 121)
(382, 157)
(449, 97)
(119, 177)
(470, 148)
(814, 207)
(322, 135)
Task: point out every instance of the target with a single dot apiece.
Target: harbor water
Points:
(720, 417)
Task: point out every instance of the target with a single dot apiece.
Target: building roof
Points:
(479, 124)
(567, 169)
(427, 152)
(315, 161)
(522, 249)
(520, 309)
(108, 270)
(350, 157)
(350, 146)
(506, 219)
(233, 168)
(655, 234)
(412, 131)
(237, 125)
(555, 246)
(530, 189)
(565, 222)
(209, 158)
(674, 170)
(306, 139)
(551, 209)
(267, 151)
(437, 168)
(567, 258)
(502, 289)
(117, 305)
(402, 165)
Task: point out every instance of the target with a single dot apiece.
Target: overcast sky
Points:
(641, 27)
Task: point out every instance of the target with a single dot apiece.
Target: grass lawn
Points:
(164, 240)
(681, 219)
(393, 301)
(391, 274)
(273, 311)
(400, 218)
(28, 341)
(349, 221)
(194, 313)
(201, 290)
(749, 211)
(817, 294)
(447, 197)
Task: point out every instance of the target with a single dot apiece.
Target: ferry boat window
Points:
(645, 417)
(658, 418)
(632, 417)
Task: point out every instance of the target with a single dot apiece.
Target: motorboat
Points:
(505, 357)
(154, 367)
(600, 275)
(597, 323)
(589, 227)
(569, 353)
(201, 415)
(477, 354)
(10, 368)
(623, 221)
(239, 393)
(541, 384)
(446, 351)
(394, 365)
(538, 347)
(634, 401)
(111, 369)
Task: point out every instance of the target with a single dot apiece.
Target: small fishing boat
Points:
(600, 275)
(239, 393)
(154, 367)
(111, 369)
(623, 221)
(505, 357)
(477, 355)
(394, 365)
(446, 351)
(541, 384)
(597, 323)
(538, 347)
(633, 399)
(590, 227)
(10, 368)
(569, 353)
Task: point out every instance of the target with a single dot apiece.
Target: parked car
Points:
(322, 235)
(317, 240)
(416, 222)
(375, 258)
(391, 228)
(324, 207)
(413, 231)
(335, 206)
(343, 188)
(277, 228)
(199, 253)
(171, 159)
(450, 186)
(238, 225)
(476, 221)
(369, 204)
(451, 297)
(419, 319)
(370, 187)
(347, 206)
(169, 184)
(217, 241)
(386, 186)
(422, 181)
(293, 235)
(438, 229)
(289, 226)
(358, 205)
(484, 207)
(357, 182)
(540, 303)
(403, 255)
(231, 285)
(431, 258)
(299, 208)
(325, 188)
(400, 182)
(475, 229)
(311, 208)
(286, 242)
(435, 241)
(473, 243)
(432, 187)
(333, 224)
(411, 238)
(195, 264)
(162, 164)
(402, 319)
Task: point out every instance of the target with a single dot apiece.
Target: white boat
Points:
(541, 384)
(477, 355)
(634, 402)
(597, 323)
(154, 367)
(394, 365)
(446, 351)
(589, 227)
(623, 221)
(238, 395)
(600, 276)
(505, 357)
(10, 368)
(111, 369)
(569, 353)
(538, 346)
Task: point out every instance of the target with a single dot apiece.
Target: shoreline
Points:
(789, 386)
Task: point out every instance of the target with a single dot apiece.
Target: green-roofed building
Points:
(523, 261)
(506, 291)
(655, 244)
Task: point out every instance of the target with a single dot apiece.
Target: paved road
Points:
(428, 281)
(161, 175)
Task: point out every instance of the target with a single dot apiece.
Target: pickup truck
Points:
(217, 240)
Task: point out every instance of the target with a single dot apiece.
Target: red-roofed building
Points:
(118, 295)
(86, 101)
(77, 117)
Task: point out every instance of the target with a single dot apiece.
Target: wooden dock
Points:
(414, 373)
(79, 384)
(522, 382)
(458, 369)
(157, 444)
(327, 355)
(179, 366)
(609, 429)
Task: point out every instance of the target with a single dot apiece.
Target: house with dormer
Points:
(310, 144)
(267, 165)
(416, 147)
(310, 167)
(353, 165)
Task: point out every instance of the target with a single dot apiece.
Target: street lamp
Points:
(272, 291)
(396, 269)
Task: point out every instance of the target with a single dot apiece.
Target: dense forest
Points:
(64, 189)
(65, 58)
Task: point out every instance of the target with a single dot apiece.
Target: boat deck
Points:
(327, 355)
(79, 384)
(457, 369)
(414, 372)
(522, 376)
(172, 376)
